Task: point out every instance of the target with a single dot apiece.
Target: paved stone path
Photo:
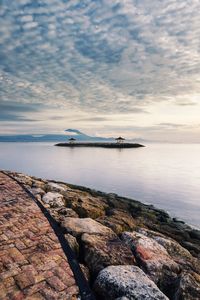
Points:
(33, 265)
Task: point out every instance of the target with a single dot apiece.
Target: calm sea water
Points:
(166, 175)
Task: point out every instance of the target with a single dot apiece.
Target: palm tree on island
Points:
(120, 140)
(72, 140)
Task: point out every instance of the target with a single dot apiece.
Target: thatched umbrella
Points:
(72, 140)
(120, 140)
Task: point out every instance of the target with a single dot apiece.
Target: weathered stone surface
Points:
(126, 281)
(85, 204)
(24, 179)
(53, 199)
(56, 187)
(39, 184)
(67, 212)
(61, 213)
(103, 251)
(153, 259)
(179, 254)
(37, 191)
(118, 220)
(189, 287)
(77, 227)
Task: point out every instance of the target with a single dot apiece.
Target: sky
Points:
(106, 67)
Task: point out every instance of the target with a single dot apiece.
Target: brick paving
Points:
(33, 265)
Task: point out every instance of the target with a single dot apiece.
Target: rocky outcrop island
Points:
(100, 144)
(61, 241)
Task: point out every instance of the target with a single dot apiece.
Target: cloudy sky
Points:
(106, 67)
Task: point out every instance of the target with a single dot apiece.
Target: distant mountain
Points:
(52, 137)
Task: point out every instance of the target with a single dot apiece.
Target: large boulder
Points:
(102, 251)
(78, 226)
(126, 281)
(154, 260)
(179, 254)
(56, 187)
(85, 204)
(118, 220)
(53, 199)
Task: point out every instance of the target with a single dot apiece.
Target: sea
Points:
(165, 175)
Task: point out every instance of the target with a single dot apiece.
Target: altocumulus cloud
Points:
(106, 56)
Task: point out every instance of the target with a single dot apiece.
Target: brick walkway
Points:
(32, 262)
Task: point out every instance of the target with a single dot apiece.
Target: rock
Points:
(85, 204)
(24, 179)
(153, 259)
(53, 199)
(118, 220)
(102, 251)
(126, 281)
(67, 212)
(37, 191)
(85, 271)
(78, 226)
(179, 254)
(56, 187)
(38, 184)
(189, 287)
(72, 243)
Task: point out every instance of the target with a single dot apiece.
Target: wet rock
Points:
(53, 199)
(153, 259)
(189, 287)
(126, 281)
(72, 243)
(102, 251)
(85, 204)
(194, 234)
(182, 233)
(118, 220)
(78, 226)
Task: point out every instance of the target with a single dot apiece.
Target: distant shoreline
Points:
(100, 144)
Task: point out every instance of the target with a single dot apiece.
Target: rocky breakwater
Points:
(127, 250)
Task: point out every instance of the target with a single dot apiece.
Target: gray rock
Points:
(126, 281)
(37, 191)
(55, 187)
(153, 258)
(77, 227)
(53, 199)
(189, 286)
(178, 253)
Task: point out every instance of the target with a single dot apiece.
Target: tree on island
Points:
(72, 140)
(120, 140)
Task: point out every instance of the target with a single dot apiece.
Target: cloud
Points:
(13, 112)
(100, 57)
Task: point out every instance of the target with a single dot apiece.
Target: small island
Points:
(119, 144)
